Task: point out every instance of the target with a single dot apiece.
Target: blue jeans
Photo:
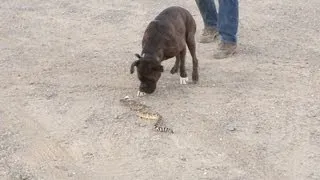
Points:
(225, 21)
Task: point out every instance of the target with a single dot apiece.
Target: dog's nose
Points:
(147, 88)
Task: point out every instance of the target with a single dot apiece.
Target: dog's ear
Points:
(135, 63)
(158, 68)
(138, 56)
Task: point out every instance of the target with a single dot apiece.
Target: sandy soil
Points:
(65, 64)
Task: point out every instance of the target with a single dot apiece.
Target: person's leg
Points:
(228, 27)
(209, 16)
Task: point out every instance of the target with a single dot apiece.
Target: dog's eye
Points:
(142, 78)
(158, 68)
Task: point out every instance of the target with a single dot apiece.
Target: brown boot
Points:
(209, 35)
(225, 50)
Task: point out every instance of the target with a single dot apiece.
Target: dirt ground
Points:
(64, 65)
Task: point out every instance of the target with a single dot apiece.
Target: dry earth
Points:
(64, 65)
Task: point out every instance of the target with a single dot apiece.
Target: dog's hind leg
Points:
(192, 48)
(176, 66)
(183, 73)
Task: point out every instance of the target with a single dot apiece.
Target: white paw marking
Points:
(140, 94)
(183, 80)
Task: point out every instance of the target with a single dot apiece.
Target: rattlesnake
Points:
(144, 112)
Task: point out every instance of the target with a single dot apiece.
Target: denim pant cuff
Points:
(229, 40)
(211, 27)
(226, 21)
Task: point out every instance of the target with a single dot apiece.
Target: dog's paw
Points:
(195, 77)
(174, 70)
(140, 94)
(183, 80)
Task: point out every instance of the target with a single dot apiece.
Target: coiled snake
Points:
(144, 112)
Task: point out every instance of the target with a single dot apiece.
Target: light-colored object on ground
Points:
(144, 112)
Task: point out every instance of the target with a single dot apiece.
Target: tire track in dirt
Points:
(42, 154)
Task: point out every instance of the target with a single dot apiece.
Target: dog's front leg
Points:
(176, 65)
(183, 73)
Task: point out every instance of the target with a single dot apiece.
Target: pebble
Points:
(231, 127)
(71, 174)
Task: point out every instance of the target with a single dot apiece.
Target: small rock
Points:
(88, 155)
(50, 96)
(231, 128)
(71, 174)
(23, 177)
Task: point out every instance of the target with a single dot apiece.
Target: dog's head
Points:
(149, 71)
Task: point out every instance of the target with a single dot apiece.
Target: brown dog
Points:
(165, 37)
